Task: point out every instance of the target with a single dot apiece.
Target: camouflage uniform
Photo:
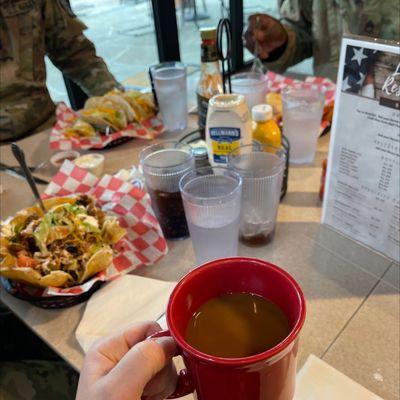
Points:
(315, 28)
(37, 380)
(29, 30)
(46, 379)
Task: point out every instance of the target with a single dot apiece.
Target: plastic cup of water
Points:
(261, 168)
(211, 199)
(302, 114)
(169, 79)
(252, 85)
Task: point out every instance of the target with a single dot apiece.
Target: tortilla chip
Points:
(29, 275)
(112, 231)
(99, 261)
(56, 279)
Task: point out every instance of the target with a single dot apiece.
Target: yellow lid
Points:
(208, 33)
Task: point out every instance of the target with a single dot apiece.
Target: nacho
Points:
(63, 247)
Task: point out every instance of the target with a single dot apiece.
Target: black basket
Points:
(16, 289)
(117, 142)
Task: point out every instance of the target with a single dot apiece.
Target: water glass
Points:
(302, 114)
(163, 166)
(211, 198)
(252, 85)
(169, 79)
(261, 168)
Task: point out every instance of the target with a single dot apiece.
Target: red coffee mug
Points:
(266, 376)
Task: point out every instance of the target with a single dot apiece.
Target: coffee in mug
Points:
(237, 325)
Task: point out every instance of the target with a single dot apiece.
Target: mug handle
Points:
(184, 385)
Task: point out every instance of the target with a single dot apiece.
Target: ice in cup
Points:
(252, 85)
(169, 79)
(261, 168)
(302, 114)
(211, 198)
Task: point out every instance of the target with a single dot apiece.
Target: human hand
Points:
(264, 34)
(126, 366)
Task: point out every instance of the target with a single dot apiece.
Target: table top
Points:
(352, 292)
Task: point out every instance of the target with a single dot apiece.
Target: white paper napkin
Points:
(317, 380)
(121, 302)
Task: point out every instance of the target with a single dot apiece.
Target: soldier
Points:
(29, 30)
(315, 28)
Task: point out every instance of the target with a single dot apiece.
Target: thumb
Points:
(141, 363)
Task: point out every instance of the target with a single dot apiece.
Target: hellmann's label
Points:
(224, 140)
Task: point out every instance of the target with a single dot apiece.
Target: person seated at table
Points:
(122, 366)
(29, 30)
(315, 28)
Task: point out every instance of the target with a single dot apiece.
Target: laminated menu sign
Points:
(363, 182)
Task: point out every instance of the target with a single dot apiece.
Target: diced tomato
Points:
(25, 261)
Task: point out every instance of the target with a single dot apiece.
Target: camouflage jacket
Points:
(315, 28)
(29, 30)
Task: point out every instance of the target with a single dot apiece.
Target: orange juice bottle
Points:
(265, 130)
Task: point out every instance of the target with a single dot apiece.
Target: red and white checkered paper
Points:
(144, 243)
(278, 82)
(148, 129)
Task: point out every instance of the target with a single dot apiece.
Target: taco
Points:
(63, 247)
(80, 128)
(104, 118)
(114, 101)
(141, 103)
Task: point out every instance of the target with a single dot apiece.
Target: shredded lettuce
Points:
(42, 232)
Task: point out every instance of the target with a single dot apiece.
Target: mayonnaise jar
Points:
(228, 126)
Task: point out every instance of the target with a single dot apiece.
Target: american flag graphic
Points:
(358, 63)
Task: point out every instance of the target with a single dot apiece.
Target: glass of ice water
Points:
(302, 114)
(211, 198)
(169, 79)
(252, 85)
(261, 168)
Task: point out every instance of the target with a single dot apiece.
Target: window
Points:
(131, 35)
(123, 33)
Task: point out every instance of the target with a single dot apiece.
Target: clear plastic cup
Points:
(252, 85)
(302, 114)
(169, 79)
(261, 168)
(163, 166)
(211, 198)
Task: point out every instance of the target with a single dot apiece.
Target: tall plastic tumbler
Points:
(211, 198)
(261, 168)
(169, 79)
(302, 114)
(163, 166)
